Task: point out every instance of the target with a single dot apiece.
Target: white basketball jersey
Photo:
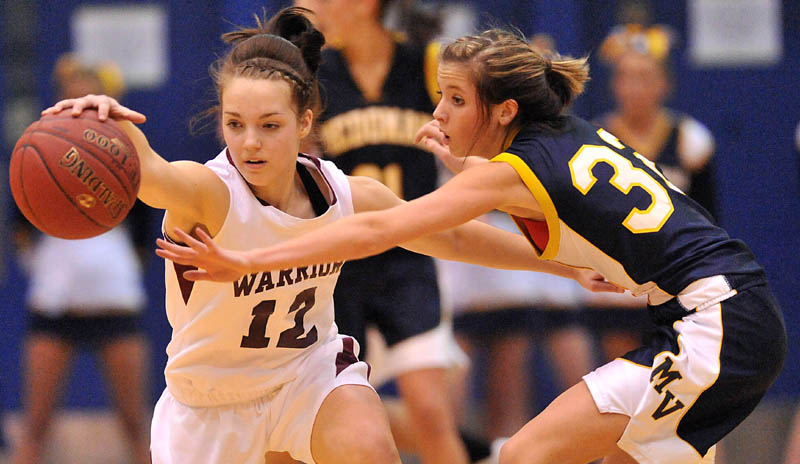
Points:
(237, 341)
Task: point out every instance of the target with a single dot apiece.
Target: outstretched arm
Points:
(473, 242)
(422, 225)
(370, 233)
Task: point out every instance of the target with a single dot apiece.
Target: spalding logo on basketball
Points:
(74, 177)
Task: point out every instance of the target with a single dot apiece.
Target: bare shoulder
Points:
(211, 198)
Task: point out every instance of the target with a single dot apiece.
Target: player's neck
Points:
(286, 193)
(643, 122)
(369, 44)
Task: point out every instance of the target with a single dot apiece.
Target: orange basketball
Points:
(74, 177)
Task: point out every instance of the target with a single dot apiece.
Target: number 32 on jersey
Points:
(626, 176)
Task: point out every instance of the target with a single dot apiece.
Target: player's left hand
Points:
(595, 282)
(213, 262)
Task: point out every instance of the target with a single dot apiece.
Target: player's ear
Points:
(306, 122)
(507, 111)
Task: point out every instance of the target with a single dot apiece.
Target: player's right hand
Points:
(106, 106)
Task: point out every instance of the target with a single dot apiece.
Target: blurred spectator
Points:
(83, 294)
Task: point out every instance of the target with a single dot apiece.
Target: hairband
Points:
(654, 41)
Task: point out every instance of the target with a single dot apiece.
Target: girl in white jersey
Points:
(256, 368)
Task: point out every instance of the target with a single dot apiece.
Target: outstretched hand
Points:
(213, 262)
(595, 282)
(105, 105)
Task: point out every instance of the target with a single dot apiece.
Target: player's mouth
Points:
(254, 164)
(446, 137)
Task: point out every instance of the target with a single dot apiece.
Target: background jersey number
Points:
(390, 175)
(290, 338)
(626, 176)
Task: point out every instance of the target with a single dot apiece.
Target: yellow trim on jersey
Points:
(542, 197)
(645, 366)
(431, 67)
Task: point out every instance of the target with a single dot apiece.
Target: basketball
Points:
(74, 177)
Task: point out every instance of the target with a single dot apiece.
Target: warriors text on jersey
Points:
(239, 340)
(609, 208)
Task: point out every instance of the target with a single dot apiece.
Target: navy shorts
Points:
(700, 374)
(91, 332)
(396, 291)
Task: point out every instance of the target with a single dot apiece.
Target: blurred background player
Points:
(84, 294)
(378, 89)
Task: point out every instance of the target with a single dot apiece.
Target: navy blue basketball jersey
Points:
(611, 209)
(376, 138)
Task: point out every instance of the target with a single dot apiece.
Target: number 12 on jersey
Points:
(290, 338)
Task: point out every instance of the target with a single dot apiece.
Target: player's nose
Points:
(251, 141)
(439, 113)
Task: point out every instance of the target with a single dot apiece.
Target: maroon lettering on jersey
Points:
(185, 284)
(347, 356)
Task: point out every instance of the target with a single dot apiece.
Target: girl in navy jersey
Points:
(584, 199)
(256, 368)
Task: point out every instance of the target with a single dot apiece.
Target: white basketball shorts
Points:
(243, 433)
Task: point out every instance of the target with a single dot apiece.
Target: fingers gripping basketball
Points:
(74, 177)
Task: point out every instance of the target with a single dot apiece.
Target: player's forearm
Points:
(483, 244)
(353, 237)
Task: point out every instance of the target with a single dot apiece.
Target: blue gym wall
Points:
(752, 112)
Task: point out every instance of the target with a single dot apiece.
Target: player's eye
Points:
(233, 124)
(271, 125)
(457, 100)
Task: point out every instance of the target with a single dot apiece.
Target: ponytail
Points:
(567, 78)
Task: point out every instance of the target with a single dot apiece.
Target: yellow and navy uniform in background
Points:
(397, 290)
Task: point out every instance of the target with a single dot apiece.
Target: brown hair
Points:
(504, 66)
(286, 47)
